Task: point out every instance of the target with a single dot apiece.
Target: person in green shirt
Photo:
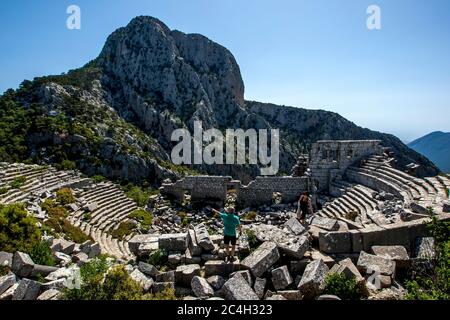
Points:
(231, 222)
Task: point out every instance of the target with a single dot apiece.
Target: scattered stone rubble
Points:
(373, 223)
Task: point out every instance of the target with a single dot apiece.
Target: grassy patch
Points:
(124, 229)
(145, 218)
(41, 253)
(137, 194)
(18, 182)
(64, 196)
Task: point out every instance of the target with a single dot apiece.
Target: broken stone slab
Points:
(168, 276)
(90, 207)
(335, 242)
(194, 248)
(246, 274)
(216, 239)
(173, 242)
(62, 258)
(396, 253)
(8, 294)
(190, 259)
(145, 282)
(260, 287)
(369, 264)
(425, 248)
(143, 244)
(27, 290)
(281, 278)
(220, 267)
(51, 294)
(325, 223)
(203, 239)
(297, 267)
(264, 257)
(348, 268)
(95, 251)
(276, 297)
(446, 207)
(42, 270)
(6, 259)
(148, 269)
(295, 226)
(22, 264)
(293, 295)
(418, 208)
(86, 246)
(162, 286)
(328, 297)
(59, 284)
(216, 282)
(185, 273)
(175, 258)
(63, 246)
(313, 279)
(80, 258)
(295, 249)
(237, 288)
(7, 282)
(71, 272)
(201, 287)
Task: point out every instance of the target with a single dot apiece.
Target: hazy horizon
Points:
(309, 54)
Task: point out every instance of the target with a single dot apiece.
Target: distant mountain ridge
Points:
(436, 147)
(115, 115)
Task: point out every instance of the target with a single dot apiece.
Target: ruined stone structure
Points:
(329, 159)
(256, 193)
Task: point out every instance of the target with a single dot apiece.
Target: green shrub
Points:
(342, 286)
(166, 294)
(66, 165)
(64, 196)
(118, 285)
(185, 221)
(137, 194)
(41, 253)
(3, 190)
(18, 182)
(125, 228)
(433, 284)
(98, 178)
(144, 217)
(58, 222)
(18, 230)
(253, 241)
(251, 215)
(158, 258)
(4, 270)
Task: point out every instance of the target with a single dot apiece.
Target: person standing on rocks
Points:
(231, 222)
(304, 207)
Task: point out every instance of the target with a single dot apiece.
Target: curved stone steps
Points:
(116, 220)
(96, 190)
(399, 187)
(366, 194)
(101, 195)
(374, 182)
(111, 211)
(438, 187)
(408, 185)
(105, 205)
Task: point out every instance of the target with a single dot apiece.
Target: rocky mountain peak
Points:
(149, 65)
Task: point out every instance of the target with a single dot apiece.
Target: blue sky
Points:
(305, 53)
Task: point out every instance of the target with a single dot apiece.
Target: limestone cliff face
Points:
(163, 78)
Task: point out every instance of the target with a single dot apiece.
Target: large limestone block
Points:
(203, 239)
(7, 282)
(325, 223)
(295, 226)
(22, 264)
(27, 290)
(221, 268)
(395, 253)
(173, 242)
(348, 268)
(143, 241)
(313, 279)
(296, 248)
(335, 242)
(264, 257)
(185, 273)
(145, 282)
(368, 264)
(237, 288)
(281, 278)
(201, 287)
